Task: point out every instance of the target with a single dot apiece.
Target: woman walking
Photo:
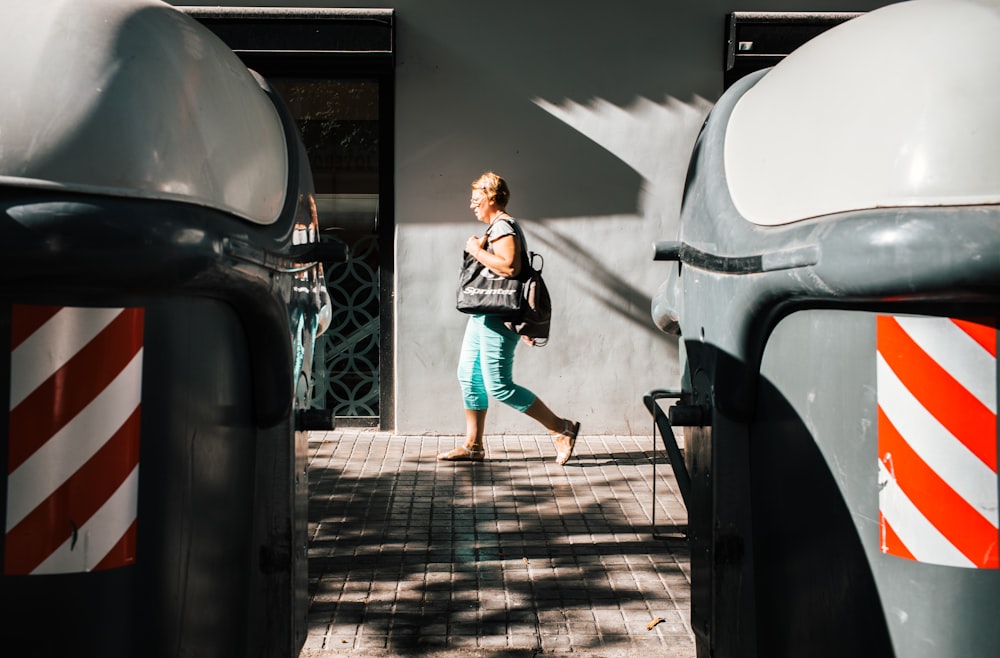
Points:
(486, 364)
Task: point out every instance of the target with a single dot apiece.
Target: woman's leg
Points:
(546, 417)
(563, 430)
(497, 357)
(475, 423)
(470, 371)
(470, 377)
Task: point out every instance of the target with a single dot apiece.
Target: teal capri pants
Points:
(486, 365)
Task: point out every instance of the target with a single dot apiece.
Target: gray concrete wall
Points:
(590, 111)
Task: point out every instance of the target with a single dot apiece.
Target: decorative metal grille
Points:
(346, 360)
(339, 123)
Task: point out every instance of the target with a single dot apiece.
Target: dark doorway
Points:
(334, 69)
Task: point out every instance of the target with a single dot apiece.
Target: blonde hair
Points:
(494, 187)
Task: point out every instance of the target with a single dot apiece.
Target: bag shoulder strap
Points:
(527, 257)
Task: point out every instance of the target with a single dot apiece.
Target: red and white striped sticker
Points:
(937, 440)
(73, 448)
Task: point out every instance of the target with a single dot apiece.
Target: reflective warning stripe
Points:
(73, 448)
(937, 440)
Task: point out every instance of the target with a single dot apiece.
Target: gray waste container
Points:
(835, 288)
(159, 300)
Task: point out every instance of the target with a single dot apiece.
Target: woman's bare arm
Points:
(503, 260)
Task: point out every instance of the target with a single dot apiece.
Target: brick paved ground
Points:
(514, 556)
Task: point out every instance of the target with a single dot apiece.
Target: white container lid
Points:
(133, 98)
(898, 107)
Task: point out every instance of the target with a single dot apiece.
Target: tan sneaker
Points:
(462, 454)
(566, 441)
